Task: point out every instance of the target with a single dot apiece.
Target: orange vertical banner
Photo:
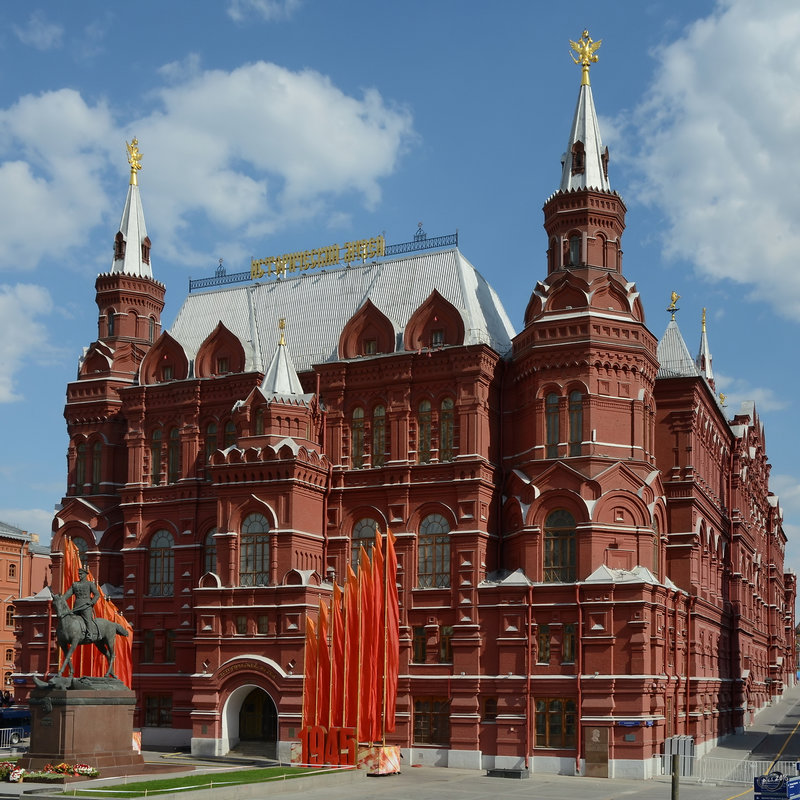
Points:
(392, 607)
(323, 668)
(366, 672)
(379, 626)
(337, 659)
(351, 647)
(310, 675)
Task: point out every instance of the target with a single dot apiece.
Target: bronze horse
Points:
(71, 632)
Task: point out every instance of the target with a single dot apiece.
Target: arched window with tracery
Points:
(575, 423)
(210, 552)
(155, 457)
(254, 551)
(357, 439)
(559, 547)
(363, 534)
(379, 436)
(551, 425)
(433, 553)
(446, 430)
(174, 456)
(424, 432)
(161, 565)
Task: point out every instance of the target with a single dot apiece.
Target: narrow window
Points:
(222, 365)
(437, 337)
(259, 423)
(433, 553)
(151, 330)
(230, 434)
(241, 624)
(543, 641)
(568, 645)
(110, 321)
(575, 423)
(446, 431)
(155, 458)
(419, 645)
(9, 655)
(211, 446)
(9, 616)
(210, 552)
(174, 456)
(574, 251)
(169, 646)
(80, 468)
(656, 547)
(12, 570)
(489, 709)
(357, 439)
(158, 710)
(166, 372)
(263, 624)
(370, 347)
(161, 565)
(446, 644)
(559, 547)
(97, 464)
(424, 432)
(148, 646)
(551, 425)
(379, 436)
(254, 551)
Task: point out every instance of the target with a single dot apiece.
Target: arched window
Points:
(357, 439)
(9, 616)
(433, 553)
(363, 534)
(656, 547)
(379, 436)
(161, 565)
(9, 655)
(230, 434)
(110, 321)
(80, 467)
(151, 330)
(97, 464)
(574, 251)
(254, 551)
(174, 456)
(424, 432)
(155, 457)
(446, 430)
(210, 552)
(559, 547)
(575, 423)
(551, 425)
(258, 427)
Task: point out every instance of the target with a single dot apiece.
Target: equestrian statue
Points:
(80, 626)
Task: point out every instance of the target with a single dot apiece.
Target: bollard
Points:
(675, 782)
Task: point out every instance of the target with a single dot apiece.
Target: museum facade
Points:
(590, 560)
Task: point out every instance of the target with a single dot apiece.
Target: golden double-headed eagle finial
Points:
(586, 49)
(672, 307)
(134, 158)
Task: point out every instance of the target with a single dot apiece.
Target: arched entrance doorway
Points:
(257, 723)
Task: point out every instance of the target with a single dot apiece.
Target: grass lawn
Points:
(175, 785)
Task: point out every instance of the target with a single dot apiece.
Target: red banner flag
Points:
(310, 675)
(379, 627)
(323, 668)
(392, 635)
(368, 636)
(352, 640)
(337, 659)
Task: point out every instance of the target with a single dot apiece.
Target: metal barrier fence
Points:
(726, 770)
(11, 736)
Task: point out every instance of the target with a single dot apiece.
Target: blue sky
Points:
(268, 126)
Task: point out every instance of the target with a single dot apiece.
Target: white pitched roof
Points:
(673, 355)
(585, 130)
(134, 232)
(317, 305)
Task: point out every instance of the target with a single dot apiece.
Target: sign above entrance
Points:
(249, 665)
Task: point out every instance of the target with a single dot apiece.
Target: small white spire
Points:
(704, 355)
(280, 379)
(132, 253)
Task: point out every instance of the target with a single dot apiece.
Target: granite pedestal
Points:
(83, 726)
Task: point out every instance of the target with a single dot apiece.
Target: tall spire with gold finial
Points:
(704, 355)
(132, 244)
(585, 162)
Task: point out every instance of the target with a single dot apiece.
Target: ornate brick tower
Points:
(582, 379)
(130, 302)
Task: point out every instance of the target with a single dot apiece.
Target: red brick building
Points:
(590, 559)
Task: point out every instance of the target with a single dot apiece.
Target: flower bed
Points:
(49, 773)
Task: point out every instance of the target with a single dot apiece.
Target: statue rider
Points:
(86, 594)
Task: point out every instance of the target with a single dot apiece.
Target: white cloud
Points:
(739, 390)
(268, 10)
(54, 154)
(260, 147)
(32, 520)
(717, 138)
(23, 335)
(39, 33)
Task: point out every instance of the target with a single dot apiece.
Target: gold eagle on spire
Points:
(586, 48)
